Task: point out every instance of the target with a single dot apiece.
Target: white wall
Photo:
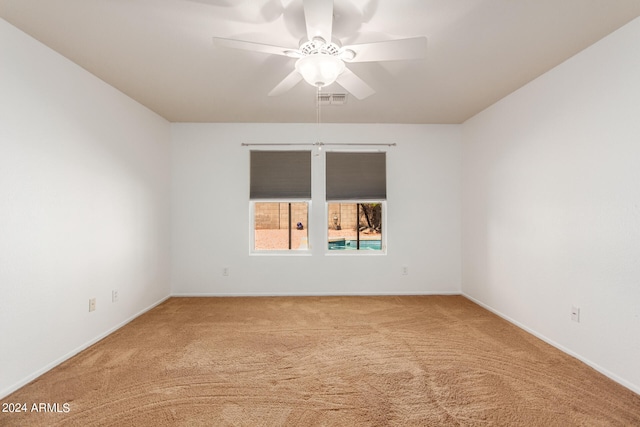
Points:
(551, 206)
(211, 223)
(84, 202)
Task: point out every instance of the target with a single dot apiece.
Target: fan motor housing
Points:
(319, 46)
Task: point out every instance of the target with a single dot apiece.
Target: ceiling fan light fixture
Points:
(320, 69)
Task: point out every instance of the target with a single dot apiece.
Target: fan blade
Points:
(286, 84)
(390, 50)
(253, 47)
(354, 84)
(369, 10)
(318, 15)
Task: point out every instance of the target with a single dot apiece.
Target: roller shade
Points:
(356, 176)
(280, 175)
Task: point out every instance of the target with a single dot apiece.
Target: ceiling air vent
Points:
(332, 98)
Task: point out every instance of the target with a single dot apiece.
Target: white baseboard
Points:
(7, 391)
(560, 347)
(309, 294)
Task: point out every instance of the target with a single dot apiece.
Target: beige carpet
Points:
(324, 361)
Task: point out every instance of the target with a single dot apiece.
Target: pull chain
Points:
(318, 120)
(318, 111)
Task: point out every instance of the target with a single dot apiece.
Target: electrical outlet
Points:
(405, 270)
(92, 304)
(225, 271)
(575, 314)
(114, 296)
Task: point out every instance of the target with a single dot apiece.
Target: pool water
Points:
(341, 245)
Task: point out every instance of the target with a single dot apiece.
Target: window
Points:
(280, 193)
(356, 188)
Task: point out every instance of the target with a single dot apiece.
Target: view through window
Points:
(355, 226)
(281, 226)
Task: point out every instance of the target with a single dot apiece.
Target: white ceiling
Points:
(160, 52)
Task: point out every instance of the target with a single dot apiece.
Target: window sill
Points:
(355, 253)
(280, 253)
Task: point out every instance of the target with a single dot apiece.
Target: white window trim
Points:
(381, 252)
(286, 252)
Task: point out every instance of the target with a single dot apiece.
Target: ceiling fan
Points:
(321, 60)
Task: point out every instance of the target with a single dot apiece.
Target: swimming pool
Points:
(343, 244)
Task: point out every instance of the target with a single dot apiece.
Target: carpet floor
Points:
(323, 361)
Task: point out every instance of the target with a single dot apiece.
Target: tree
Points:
(372, 213)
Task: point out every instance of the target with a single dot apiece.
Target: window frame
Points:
(277, 190)
(357, 252)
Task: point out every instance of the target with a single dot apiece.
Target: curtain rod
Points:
(315, 144)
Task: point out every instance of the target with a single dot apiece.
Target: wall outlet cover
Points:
(575, 314)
